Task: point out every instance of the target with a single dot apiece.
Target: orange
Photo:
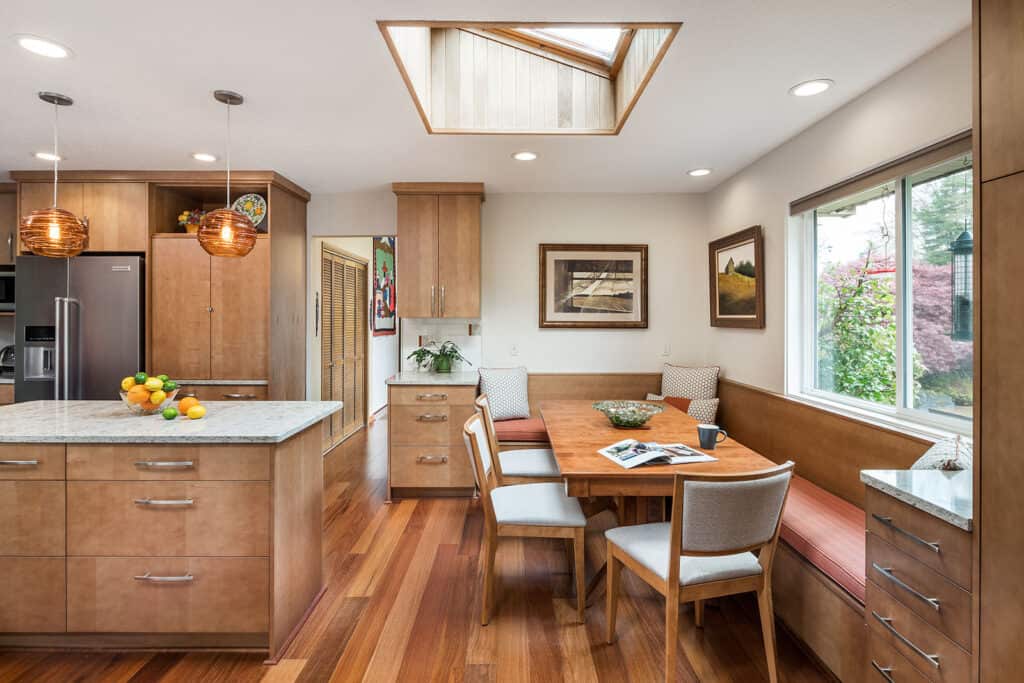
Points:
(138, 394)
(186, 403)
(148, 406)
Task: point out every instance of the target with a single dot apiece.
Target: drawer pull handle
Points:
(432, 459)
(242, 397)
(169, 502)
(186, 578)
(166, 464)
(432, 418)
(884, 671)
(431, 397)
(887, 573)
(887, 521)
(20, 463)
(887, 623)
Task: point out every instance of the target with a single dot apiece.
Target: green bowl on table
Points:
(628, 414)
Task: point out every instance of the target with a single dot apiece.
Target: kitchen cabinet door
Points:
(416, 256)
(8, 226)
(458, 256)
(118, 216)
(180, 339)
(240, 298)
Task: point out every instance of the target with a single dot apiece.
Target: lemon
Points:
(158, 397)
(127, 383)
(196, 412)
(154, 383)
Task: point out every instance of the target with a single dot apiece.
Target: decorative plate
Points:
(253, 206)
(628, 414)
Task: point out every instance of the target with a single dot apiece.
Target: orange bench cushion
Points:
(527, 430)
(828, 531)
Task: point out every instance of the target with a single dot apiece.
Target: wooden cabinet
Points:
(32, 600)
(225, 392)
(8, 223)
(438, 249)
(210, 314)
(6, 394)
(426, 453)
(117, 212)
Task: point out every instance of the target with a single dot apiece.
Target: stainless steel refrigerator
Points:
(78, 326)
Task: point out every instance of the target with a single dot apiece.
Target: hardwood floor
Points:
(402, 603)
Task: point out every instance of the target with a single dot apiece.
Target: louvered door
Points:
(343, 342)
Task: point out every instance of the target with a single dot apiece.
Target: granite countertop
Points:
(6, 380)
(946, 495)
(111, 422)
(461, 379)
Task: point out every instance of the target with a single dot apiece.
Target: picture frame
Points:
(384, 306)
(736, 279)
(593, 286)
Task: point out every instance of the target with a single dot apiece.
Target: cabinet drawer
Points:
(32, 518)
(31, 461)
(225, 392)
(180, 518)
(197, 595)
(886, 664)
(437, 425)
(431, 395)
(427, 467)
(32, 599)
(935, 655)
(160, 462)
(941, 546)
(927, 593)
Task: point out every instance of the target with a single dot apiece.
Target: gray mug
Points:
(709, 436)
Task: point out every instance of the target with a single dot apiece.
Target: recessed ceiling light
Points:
(48, 156)
(204, 156)
(813, 87)
(698, 172)
(42, 46)
(524, 156)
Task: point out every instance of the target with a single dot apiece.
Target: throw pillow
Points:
(948, 454)
(507, 393)
(685, 382)
(703, 410)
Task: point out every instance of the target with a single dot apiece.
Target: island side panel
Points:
(297, 558)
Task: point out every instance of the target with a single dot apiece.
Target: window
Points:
(887, 305)
(596, 42)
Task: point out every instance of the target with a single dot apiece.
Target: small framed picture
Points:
(593, 286)
(736, 267)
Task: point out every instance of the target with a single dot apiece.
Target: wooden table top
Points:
(577, 431)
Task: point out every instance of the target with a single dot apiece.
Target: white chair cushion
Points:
(536, 505)
(648, 544)
(684, 382)
(529, 462)
(507, 392)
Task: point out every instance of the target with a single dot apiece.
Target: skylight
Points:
(597, 42)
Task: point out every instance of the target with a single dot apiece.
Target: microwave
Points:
(6, 289)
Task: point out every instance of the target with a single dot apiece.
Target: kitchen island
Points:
(125, 532)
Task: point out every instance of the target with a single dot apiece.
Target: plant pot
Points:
(442, 364)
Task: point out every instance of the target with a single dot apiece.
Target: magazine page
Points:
(630, 453)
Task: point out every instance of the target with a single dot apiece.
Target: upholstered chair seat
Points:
(536, 505)
(528, 462)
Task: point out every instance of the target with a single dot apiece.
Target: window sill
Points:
(898, 423)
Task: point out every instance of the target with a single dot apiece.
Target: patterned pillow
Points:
(703, 410)
(506, 390)
(948, 454)
(684, 382)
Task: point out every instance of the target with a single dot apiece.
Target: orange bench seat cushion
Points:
(527, 430)
(829, 532)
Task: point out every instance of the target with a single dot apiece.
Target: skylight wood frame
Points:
(505, 31)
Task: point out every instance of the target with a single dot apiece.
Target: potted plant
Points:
(437, 357)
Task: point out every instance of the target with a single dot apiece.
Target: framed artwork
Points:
(736, 267)
(593, 286)
(384, 290)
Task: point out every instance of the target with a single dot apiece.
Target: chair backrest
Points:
(483, 407)
(479, 449)
(723, 515)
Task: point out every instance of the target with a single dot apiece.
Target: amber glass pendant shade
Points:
(54, 232)
(224, 232)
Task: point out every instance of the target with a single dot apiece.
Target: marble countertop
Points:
(946, 495)
(111, 422)
(461, 379)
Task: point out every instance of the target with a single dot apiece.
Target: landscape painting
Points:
(593, 286)
(384, 287)
(736, 267)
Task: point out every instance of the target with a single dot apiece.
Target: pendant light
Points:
(226, 232)
(54, 232)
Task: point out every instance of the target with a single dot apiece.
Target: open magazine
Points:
(630, 453)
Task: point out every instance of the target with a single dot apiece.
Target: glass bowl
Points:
(628, 414)
(140, 409)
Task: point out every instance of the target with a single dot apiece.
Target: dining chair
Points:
(539, 510)
(720, 541)
(517, 466)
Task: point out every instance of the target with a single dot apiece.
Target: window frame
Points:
(802, 338)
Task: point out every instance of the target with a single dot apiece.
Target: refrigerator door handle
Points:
(66, 366)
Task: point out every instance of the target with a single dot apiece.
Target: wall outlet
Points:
(513, 350)
(666, 350)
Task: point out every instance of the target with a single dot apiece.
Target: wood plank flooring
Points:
(402, 604)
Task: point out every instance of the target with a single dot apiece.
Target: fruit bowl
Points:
(148, 408)
(628, 414)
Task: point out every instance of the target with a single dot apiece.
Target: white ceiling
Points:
(326, 107)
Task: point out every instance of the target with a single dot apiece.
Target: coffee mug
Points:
(709, 436)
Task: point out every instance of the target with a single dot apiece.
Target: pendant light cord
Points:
(56, 154)
(228, 157)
